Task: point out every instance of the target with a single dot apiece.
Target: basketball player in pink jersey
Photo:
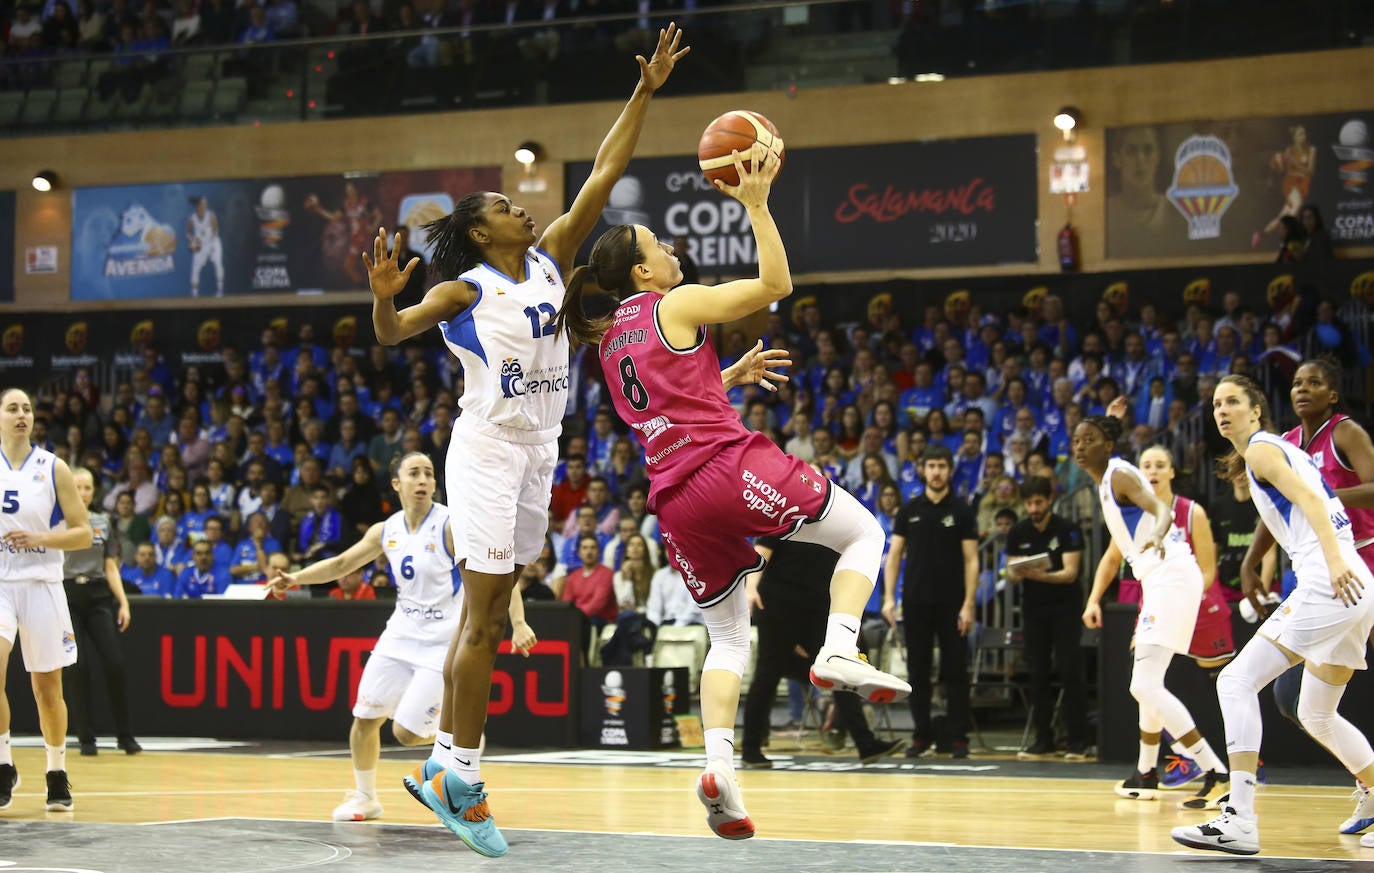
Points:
(714, 484)
(1344, 454)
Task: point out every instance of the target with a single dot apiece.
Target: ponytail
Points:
(607, 274)
(454, 251)
(1231, 466)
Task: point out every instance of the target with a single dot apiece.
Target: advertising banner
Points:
(893, 206)
(290, 670)
(251, 236)
(1214, 187)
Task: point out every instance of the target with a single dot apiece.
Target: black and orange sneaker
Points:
(1140, 786)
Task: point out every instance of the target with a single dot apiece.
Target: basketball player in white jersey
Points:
(1143, 530)
(37, 493)
(202, 237)
(404, 679)
(504, 284)
(1324, 622)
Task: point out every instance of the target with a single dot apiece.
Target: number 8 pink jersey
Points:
(673, 399)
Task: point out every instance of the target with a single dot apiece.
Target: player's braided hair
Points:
(454, 251)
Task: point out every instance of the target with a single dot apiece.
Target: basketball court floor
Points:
(208, 807)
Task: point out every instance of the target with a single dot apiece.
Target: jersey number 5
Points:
(631, 387)
(10, 504)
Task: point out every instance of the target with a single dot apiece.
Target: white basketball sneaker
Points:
(1363, 816)
(719, 793)
(1227, 832)
(358, 807)
(850, 671)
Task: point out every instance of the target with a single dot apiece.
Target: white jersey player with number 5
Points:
(403, 680)
(37, 494)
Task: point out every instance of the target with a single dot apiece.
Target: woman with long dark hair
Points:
(502, 285)
(713, 483)
(1324, 622)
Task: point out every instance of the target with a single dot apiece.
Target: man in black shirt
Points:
(791, 601)
(1051, 603)
(940, 532)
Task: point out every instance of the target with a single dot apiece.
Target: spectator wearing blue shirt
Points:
(584, 524)
(321, 529)
(601, 440)
(917, 401)
(150, 579)
(155, 419)
(1015, 399)
(319, 355)
(276, 446)
(191, 527)
(968, 466)
(214, 535)
(343, 453)
(312, 433)
(201, 576)
(258, 30)
(171, 551)
(1056, 332)
(249, 564)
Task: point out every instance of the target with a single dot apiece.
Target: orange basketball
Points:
(1203, 171)
(738, 130)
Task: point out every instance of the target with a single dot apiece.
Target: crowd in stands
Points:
(280, 456)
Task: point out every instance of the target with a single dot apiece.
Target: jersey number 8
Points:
(631, 387)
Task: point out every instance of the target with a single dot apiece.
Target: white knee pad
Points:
(727, 623)
(1147, 687)
(1238, 687)
(850, 530)
(1317, 704)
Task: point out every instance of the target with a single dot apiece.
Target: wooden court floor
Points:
(991, 808)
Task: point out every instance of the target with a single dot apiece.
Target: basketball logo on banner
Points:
(1204, 186)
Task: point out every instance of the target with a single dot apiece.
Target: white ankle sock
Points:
(6, 756)
(467, 765)
(1149, 757)
(720, 746)
(1205, 757)
(367, 782)
(57, 757)
(842, 632)
(443, 747)
(1243, 794)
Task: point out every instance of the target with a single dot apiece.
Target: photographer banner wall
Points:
(251, 236)
(290, 670)
(1214, 187)
(901, 205)
(7, 247)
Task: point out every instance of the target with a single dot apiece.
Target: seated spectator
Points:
(599, 499)
(191, 525)
(297, 499)
(345, 451)
(624, 470)
(321, 529)
(139, 483)
(626, 529)
(968, 466)
(60, 30)
(570, 493)
(150, 579)
(130, 527)
(214, 535)
(585, 521)
(249, 564)
(670, 601)
(876, 476)
(532, 585)
(257, 29)
(361, 505)
(202, 576)
(1005, 494)
(186, 24)
(590, 586)
(386, 445)
(90, 25)
(276, 446)
(352, 587)
(283, 18)
(172, 552)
